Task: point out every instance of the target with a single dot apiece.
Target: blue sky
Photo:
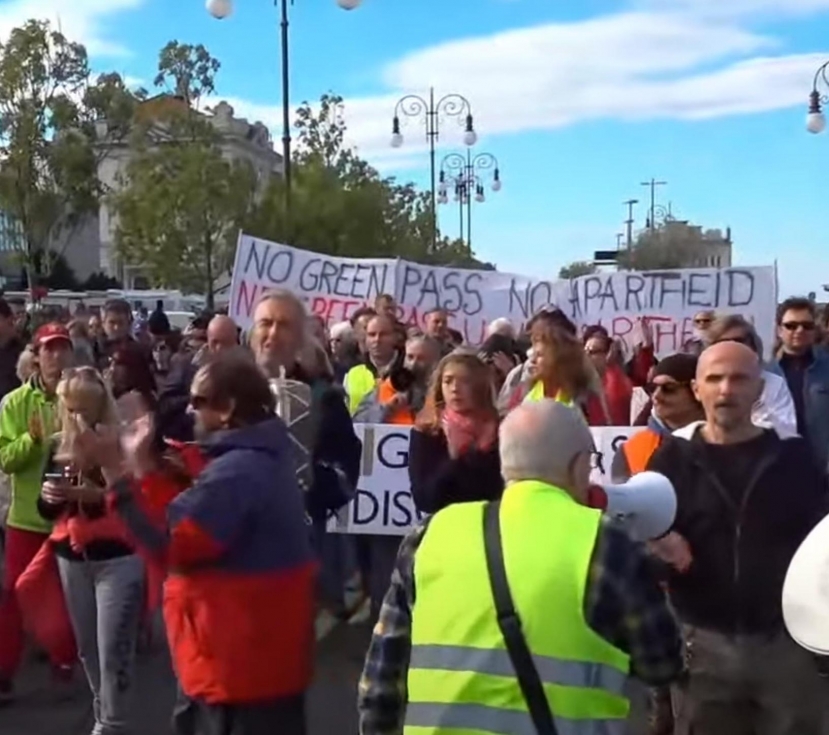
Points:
(580, 102)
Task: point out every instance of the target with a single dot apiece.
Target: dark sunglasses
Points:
(793, 326)
(668, 389)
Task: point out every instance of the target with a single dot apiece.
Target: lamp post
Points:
(660, 215)
(653, 183)
(815, 119)
(221, 9)
(451, 105)
(466, 175)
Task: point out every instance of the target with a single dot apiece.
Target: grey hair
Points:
(502, 326)
(724, 324)
(540, 440)
(343, 331)
(285, 296)
(426, 340)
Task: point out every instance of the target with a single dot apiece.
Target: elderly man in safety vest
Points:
(589, 611)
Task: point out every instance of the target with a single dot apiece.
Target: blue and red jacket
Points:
(239, 597)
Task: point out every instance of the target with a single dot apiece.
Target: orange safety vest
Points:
(640, 448)
(402, 416)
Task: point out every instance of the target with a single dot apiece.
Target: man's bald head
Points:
(548, 441)
(734, 353)
(729, 382)
(222, 333)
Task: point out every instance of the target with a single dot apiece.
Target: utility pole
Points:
(630, 203)
(653, 183)
(619, 237)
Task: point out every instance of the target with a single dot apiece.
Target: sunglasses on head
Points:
(794, 326)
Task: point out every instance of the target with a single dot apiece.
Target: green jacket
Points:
(21, 457)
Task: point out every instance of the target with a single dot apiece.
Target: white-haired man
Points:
(502, 326)
(585, 601)
(278, 335)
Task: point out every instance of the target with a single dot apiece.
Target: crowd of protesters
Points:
(139, 458)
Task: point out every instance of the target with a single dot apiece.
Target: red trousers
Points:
(21, 547)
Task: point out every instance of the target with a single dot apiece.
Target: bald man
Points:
(591, 610)
(746, 500)
(222, 333)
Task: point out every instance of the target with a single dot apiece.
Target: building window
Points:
(12, 237)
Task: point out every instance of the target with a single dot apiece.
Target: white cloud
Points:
(637, 65)
(79, 20)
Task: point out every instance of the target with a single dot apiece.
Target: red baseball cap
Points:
(50, 333)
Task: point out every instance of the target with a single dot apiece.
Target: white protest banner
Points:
(383, 504)
(617, 301)
(333, 288)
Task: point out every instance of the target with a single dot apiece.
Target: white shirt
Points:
(775, 409)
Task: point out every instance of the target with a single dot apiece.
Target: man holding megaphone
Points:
(525, 614)
(746, 499)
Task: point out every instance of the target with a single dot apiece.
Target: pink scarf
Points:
(466, 432)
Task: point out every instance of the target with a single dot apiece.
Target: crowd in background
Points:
(126, 442)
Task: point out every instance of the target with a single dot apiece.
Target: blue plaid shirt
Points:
(623, 603)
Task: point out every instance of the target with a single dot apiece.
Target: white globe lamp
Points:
(470, 137)
(349, 4)
(396, 140)
(496, 185)
(815, 122)
(219, 9)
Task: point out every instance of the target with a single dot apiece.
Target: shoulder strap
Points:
(510, 625)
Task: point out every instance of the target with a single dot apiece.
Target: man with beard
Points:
(746, 499)
(277, 337)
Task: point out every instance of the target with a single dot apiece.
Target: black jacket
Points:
(740, 552)
(438, 480)
(9, 355)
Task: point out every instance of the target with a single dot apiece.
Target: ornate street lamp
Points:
(815, 119)
(450, 105)
(466, 175)
(221, 9)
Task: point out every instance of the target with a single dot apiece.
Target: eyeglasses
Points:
(668, 389)
(793, 326)
(704, 322)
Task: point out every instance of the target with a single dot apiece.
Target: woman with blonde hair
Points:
(453, 450)
(562, 370)
(101, 575)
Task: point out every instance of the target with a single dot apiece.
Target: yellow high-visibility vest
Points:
(536, 393)
(461, 680)
(358, 383)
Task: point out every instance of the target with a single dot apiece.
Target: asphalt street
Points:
(42, 710)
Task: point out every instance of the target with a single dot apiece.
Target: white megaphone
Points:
(806, 592)
(645, 505)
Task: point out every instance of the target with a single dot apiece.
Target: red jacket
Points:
(618, 392)
(239, 598)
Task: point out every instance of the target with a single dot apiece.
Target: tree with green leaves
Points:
(578, 268)
(50, 133)
(182, 201)
(671, 244)
(340, 204)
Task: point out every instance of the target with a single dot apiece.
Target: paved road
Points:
(331, 706)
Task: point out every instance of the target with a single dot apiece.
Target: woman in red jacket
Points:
(617, 386)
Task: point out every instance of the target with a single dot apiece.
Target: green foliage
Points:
(48, 137)
(182, 202)
(187, 71)
(340, 205)
(672, 244)
(577, 268)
